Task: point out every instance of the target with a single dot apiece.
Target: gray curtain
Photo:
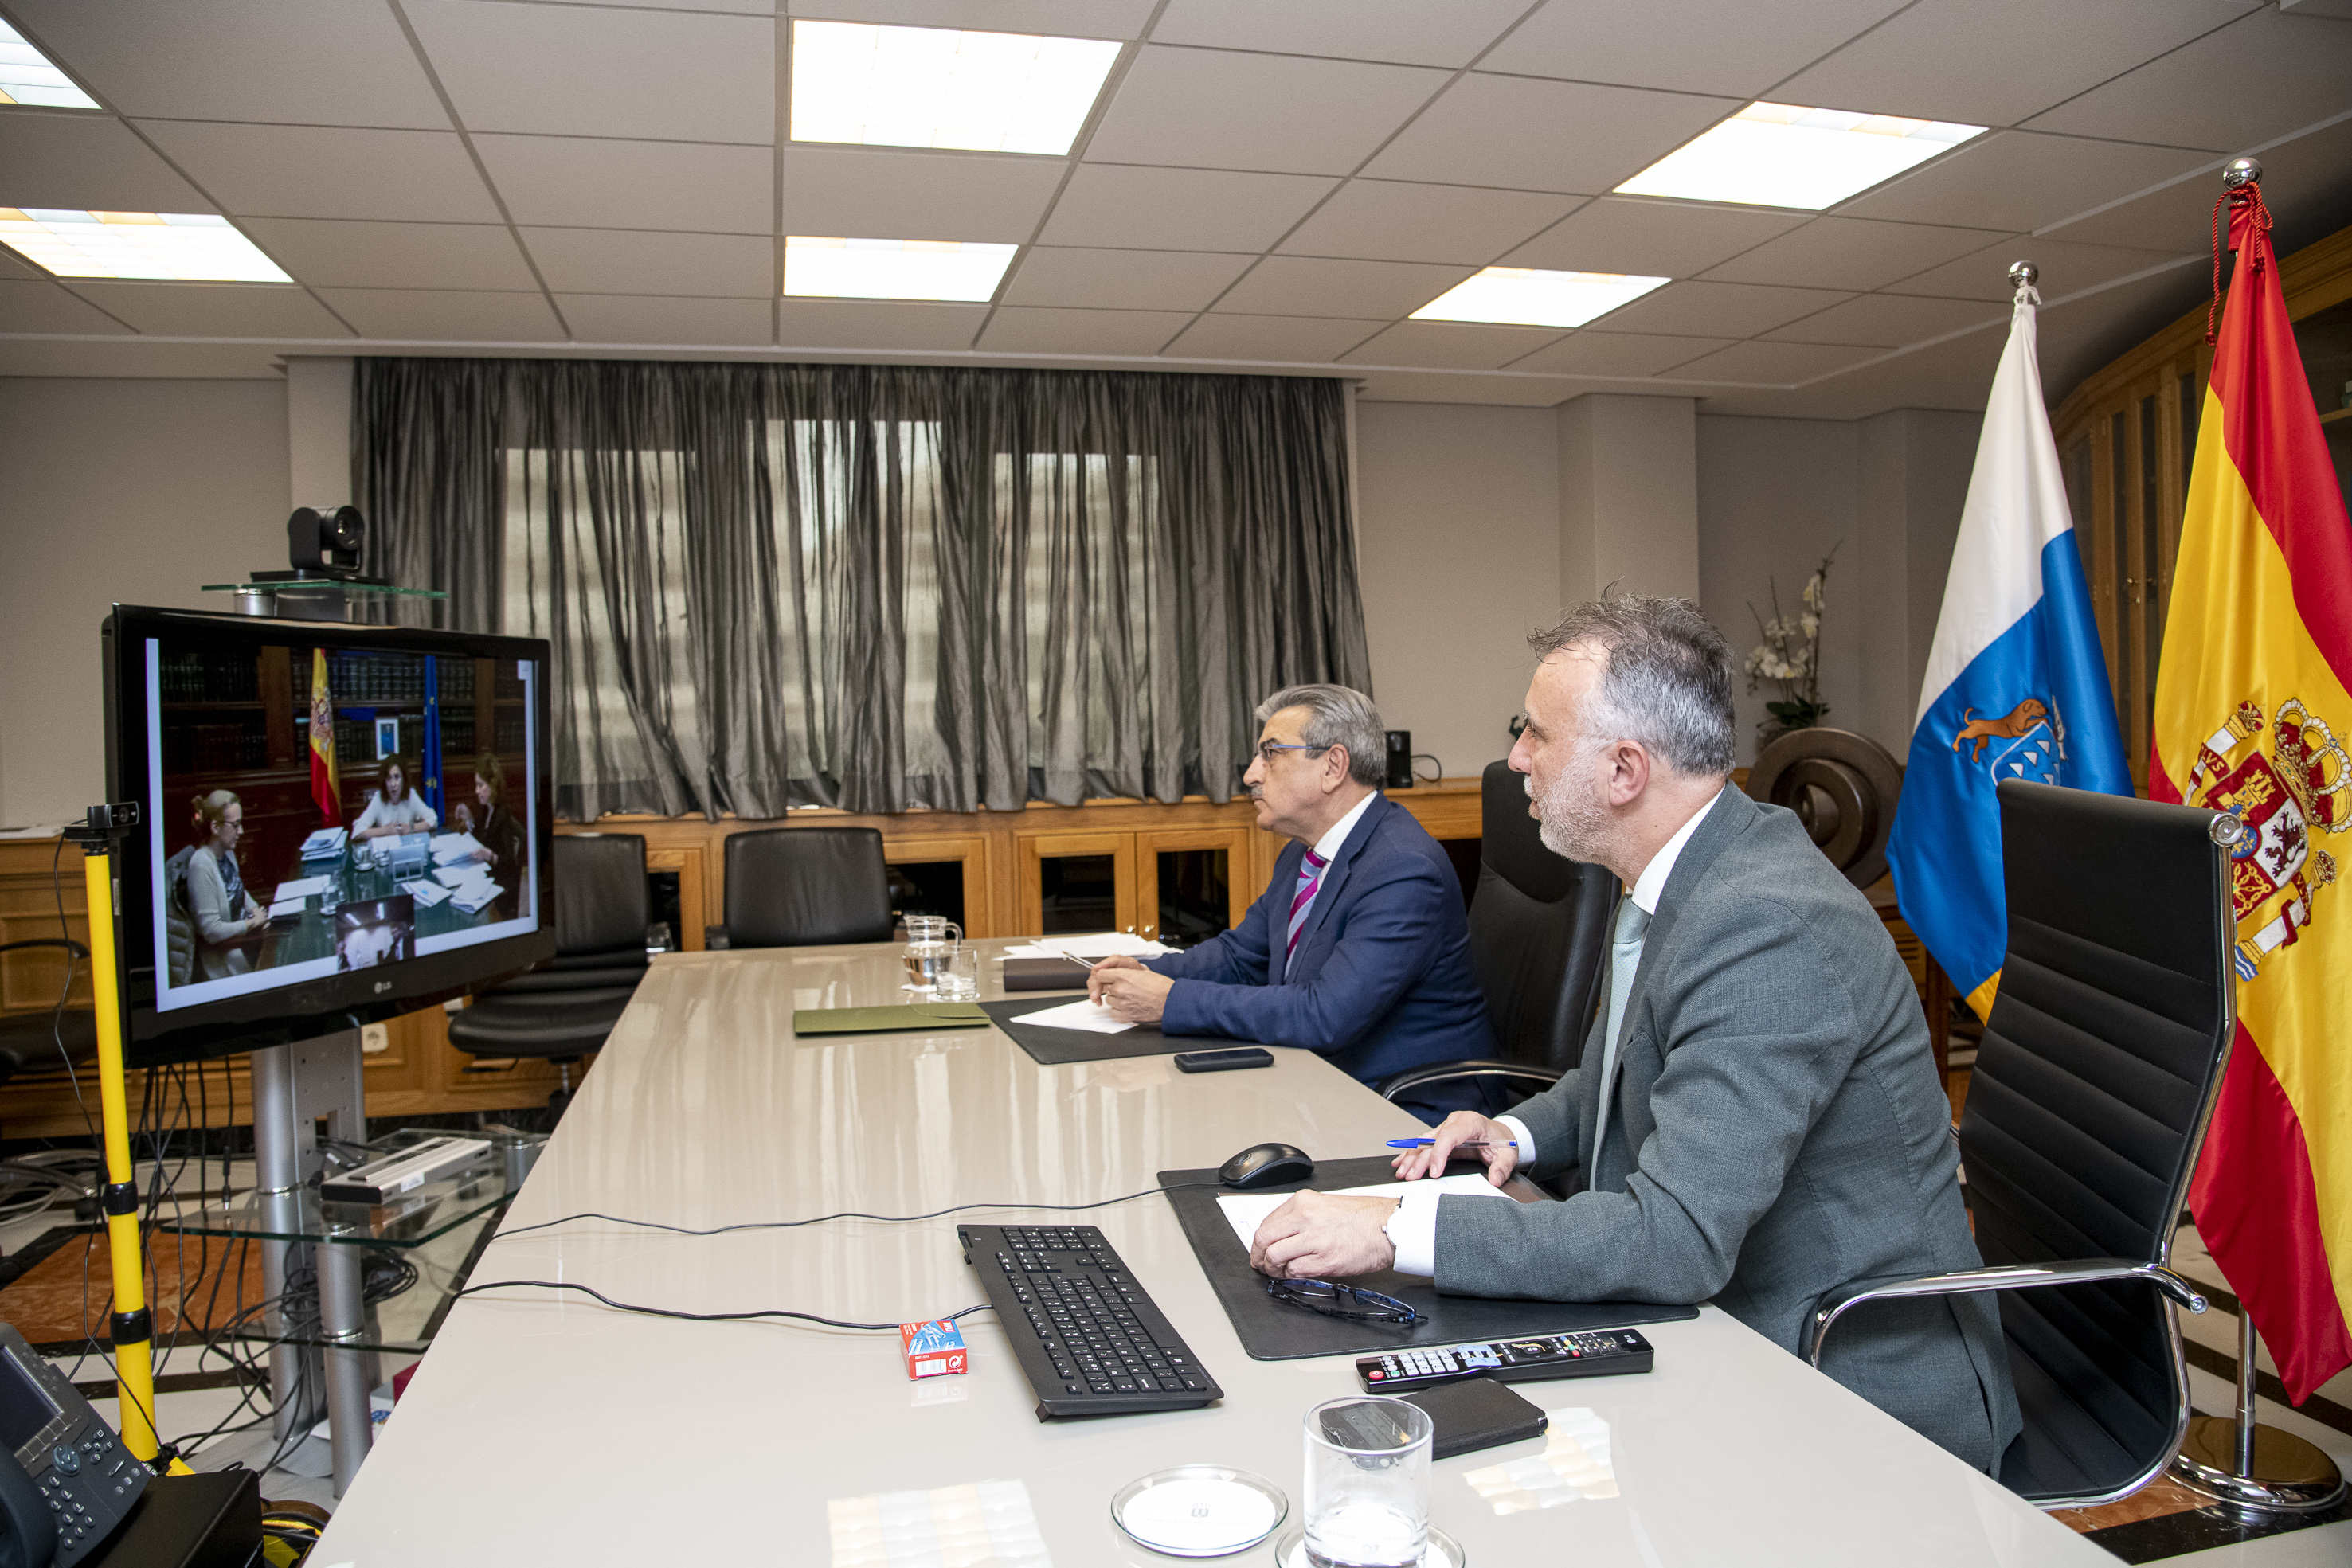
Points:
(874, 587)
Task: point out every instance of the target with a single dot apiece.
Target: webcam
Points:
(325, 541)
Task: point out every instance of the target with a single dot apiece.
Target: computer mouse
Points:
(1266, 1165)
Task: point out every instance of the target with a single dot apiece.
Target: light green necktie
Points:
(1624, 958)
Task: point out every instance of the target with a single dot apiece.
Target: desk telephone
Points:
(66, 1481)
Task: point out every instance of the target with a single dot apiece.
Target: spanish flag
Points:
(2253, 709)
(325, 787)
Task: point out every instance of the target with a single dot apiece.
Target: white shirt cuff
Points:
(1413, 1231)
(1526, 1140)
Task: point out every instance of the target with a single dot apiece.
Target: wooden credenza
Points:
(411, 1067)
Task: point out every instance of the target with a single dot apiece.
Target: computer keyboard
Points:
(1089, 1338)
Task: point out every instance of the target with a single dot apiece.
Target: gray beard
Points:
(1570, 818)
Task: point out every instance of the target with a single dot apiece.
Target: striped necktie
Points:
(1310, 879)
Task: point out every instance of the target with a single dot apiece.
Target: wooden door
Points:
(1071, 883)
(1175, 867)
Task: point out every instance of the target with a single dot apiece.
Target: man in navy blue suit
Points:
(1358, 948)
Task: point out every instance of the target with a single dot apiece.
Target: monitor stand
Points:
(295, 1087)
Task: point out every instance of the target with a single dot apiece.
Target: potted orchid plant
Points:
(1791, 657)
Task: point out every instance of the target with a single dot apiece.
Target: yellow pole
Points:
(133, 1329)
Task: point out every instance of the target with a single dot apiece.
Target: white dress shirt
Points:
(1412, 1229)
(1329, 844)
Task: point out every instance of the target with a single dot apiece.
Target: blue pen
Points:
(1424, 1143)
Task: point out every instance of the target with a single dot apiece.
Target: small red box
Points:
(932, 1349)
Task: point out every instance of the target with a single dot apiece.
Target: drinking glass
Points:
(1366, 1483)
(960, 980)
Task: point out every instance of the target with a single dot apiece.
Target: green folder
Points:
(882, 1020)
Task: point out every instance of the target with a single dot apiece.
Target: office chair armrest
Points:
(68, 944)
(1538, 1077)
(2007, 1277)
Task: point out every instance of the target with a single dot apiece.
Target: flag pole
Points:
(2255, 1469)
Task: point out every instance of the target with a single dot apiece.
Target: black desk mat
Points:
(1274, 1331)
(1052, 1047)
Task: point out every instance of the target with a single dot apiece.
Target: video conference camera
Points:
(323, 541)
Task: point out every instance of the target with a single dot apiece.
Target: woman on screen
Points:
(500, 834)
(226, 914)
(392, 809)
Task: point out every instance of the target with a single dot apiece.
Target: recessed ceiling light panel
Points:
(935, 87)
(1528, 297)
(187, 246)
(1782, 155)
(825, 267)
(27, 78)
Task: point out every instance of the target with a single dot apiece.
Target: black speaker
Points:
(1400, 760)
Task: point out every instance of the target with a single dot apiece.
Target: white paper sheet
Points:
(1246, 1211)
(427, 894)
(287, 908)
(325, 841)
(302, 887)
(451, 848)
(1100, 945)
(1082, 1015)
(474, 895)
(458, 876)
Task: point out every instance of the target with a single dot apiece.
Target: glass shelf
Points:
(412, 1219)
(317, 585)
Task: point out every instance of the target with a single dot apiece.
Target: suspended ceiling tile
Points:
(1219, 109)
(1061, 19)
(574, 182)
(1386, 220)
(2260, 78)
(309, 62)
(1657, 239)
(582, 70)
(1851, 253)
(2065, 267)
(746, 7)
(337, 253)
(2083, 337)
(329, 171)
(26, 306)
(1544, 135)
(1951, 375)
(894, 194)
(2016, 179)
(446, 316)
(213, 309)
(1889, 320)
(87, 163)
(1691, 45)
(632, 261)
(1443, 386)
(1178, 209)
(1314, 286)
(1452, 345)
(1716, 310)
(635, 318)
(1014, 329)
(1407, 32)
(1997, 62)
(1771, 363)
(894, 325)
(1308, 339)
(15, 267)
(2306, 185)
(1618, 354)
(1122, 279)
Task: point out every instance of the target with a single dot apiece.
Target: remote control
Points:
(1508, 1361)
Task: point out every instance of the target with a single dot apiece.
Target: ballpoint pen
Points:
(1475, 1143)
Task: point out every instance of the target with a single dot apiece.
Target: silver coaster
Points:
(1199, 1511)
(1443, 1551)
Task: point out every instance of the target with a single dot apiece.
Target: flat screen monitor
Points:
(337, 824)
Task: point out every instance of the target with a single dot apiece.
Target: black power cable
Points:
(852, 1214)
(699, 1317)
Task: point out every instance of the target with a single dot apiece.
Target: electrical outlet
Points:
(373, 1038)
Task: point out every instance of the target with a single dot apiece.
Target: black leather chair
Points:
(564, 1010)
(29, 1041)
(1539, 928)
(2092, 1089)
(806, 887)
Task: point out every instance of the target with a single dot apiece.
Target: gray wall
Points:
(135, 492)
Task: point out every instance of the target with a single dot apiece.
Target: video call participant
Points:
(226, 914)
(1358, 948)
(500, 834)
(1758, 1118)
(393, 808)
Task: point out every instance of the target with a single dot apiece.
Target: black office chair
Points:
(806, 887)
(1539, 928)
(2098, 1070)
(29, 1041)
(563, 1010)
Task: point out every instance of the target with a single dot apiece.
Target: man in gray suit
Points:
(1757, 1119)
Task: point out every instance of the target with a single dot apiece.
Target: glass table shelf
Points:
(412, 1219)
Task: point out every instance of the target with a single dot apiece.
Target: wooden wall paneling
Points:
(1031, 851)
(971, 851)
(1242, 887)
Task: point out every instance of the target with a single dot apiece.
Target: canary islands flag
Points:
(2016, 685)
(2254, 715)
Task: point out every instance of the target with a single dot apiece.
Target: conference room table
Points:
(544, 1428)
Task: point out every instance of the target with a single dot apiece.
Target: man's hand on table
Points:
(1461, 1128)
(1130, 991)
(1315, 1235)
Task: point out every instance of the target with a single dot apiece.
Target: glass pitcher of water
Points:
(932, 944)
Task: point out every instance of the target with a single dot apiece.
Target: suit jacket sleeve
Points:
(1391, 913)
(1554, 1118)
(1758, 1032)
